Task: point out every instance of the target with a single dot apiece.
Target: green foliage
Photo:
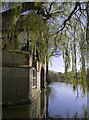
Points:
(44, 24)
(70, 78)
(55, 76)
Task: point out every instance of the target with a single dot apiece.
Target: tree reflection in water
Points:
(77, 79)
(59, 100)
(79, 101)
(80, 85)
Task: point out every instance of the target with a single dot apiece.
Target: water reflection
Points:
(58, 101)
(63, 102)
(24, 111)
(34, 110)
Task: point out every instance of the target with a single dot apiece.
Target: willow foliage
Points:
(56, 27)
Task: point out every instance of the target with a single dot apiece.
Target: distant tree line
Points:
(62, 77)
(69, 78)
(55, 76)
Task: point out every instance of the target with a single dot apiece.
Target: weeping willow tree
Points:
(58, 27)
(32, 22)
(71, 21)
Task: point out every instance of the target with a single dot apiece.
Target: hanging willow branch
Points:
(69, 17)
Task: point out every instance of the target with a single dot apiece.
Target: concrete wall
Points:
(37, 90)
(14, 84)
(17, 77)
(15, 58)
(34, 110)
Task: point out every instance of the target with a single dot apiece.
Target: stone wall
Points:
(36, 90)
(17, 78)
(15, 58)
(34, 110)
(15, 83)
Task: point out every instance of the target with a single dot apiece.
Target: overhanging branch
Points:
(69, 17)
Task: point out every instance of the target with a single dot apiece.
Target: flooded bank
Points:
(60, 100)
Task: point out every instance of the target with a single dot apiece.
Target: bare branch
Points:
(69, 17)
(51, 6)
(78, 19)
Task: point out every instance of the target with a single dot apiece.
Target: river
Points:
(60, 100)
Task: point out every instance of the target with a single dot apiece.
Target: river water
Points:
(60, 100)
